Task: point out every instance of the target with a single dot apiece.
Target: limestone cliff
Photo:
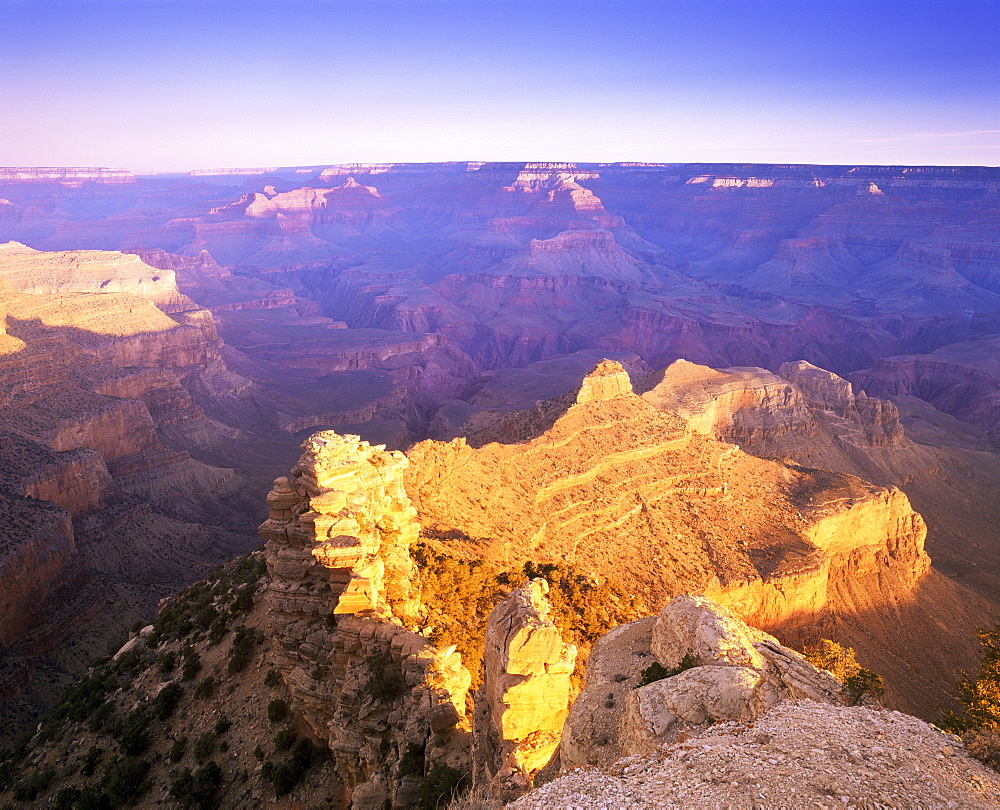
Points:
(343, 609)
(526, 690)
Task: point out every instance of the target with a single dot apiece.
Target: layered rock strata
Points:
(343, 610)
(526, 690)
(609, 465)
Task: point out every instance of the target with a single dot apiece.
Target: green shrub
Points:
(133, 734)
(205, 689)
(277, 710)
(127, 781)
(244, 642)
(218, 629)
(166, 662)
(412, 761)
(192, 664)
(864, 684)
(385, 681)
(67, 798)
(657, 672)
(177, 749)
(198, 789)
(273, 678)
(283, 780)
(204, 746)
(439, 787)
(222, 725)
(980, 697)
(842, 663)
(167, 699)
(29, 788)
(244, 599)
(285, 777)
(102, 717)
(284, 739)
(91, 760)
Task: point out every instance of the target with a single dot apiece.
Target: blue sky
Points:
(180, 84)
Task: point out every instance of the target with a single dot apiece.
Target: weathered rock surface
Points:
(527, 688)
(735, 672)
(343, 609)
(798, 754)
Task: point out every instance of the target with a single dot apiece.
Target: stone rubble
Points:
(798, 754)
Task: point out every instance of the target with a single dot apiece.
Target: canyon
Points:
(773, 387)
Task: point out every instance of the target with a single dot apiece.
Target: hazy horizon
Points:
(181, 85)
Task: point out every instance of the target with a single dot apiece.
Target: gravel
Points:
(797, 755)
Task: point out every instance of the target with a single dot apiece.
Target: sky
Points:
(157, 85)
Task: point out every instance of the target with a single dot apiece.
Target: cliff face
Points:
(36, 549)
(526, 692)
(614, 466)
(961, 379)
(343, 610)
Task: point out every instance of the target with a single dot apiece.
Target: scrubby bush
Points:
(459, 594)
(127, 781)
(222, 725)
(273, 678)
(198, 789)
(204, 746)
(979, 720)
(384, 681)
(286, 776)
(284, 739)
(133, 733)
(205, 689)
(29, 788)
(277, 710)
(842, 663)
(177, 749)
(166, 662)
(67, 798)
(412, 761)
(91, 760)
(192, 664)
(244, 642)
(439, 787)
(657, 672)
(166, 701)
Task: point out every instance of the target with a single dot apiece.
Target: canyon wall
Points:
(343, 608)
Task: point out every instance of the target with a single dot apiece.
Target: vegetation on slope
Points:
(458, 595)
(181, 717)
(979, 720)
(861, 684)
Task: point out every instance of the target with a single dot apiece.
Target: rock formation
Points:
(718, 669)
(739, 673)
(527, 688)
(608, 465)
(343, 611)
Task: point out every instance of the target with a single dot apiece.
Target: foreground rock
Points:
(711, 668)
(343, 614)
(795, 755)
(527, 689)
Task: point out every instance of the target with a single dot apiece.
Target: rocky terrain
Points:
(773, 386)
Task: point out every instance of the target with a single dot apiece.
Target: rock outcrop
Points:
(343, 611)
(718, 669)
(526, 689)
